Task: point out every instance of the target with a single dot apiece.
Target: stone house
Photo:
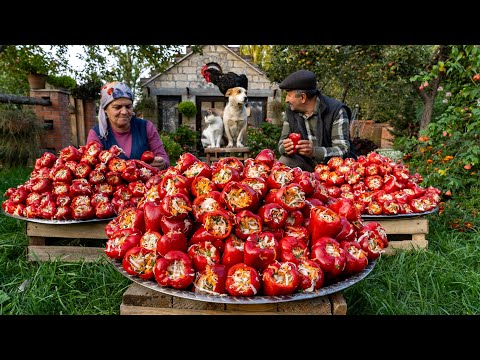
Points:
(183, 81)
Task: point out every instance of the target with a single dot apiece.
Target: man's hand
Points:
(158, 162)
(304, 147)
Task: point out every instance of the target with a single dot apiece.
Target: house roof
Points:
(190, 53)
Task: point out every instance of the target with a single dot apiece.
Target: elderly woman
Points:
(118, 125)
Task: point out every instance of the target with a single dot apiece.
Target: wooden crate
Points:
(214, 154)
(50, 241)
(405, 234)
(140, 300)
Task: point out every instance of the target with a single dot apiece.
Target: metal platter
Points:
(339, 285)
(56, 222)
(399, 216)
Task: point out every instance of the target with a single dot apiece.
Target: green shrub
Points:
(187, 108)
(266, 136)
(20, 131)
(173, 149)
(187, 138)
(64, 81)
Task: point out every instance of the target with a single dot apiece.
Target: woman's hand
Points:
(159, 163)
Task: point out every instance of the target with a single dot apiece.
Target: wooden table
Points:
(214, 154)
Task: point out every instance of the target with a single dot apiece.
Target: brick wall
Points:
(62, 119)
(377, 132)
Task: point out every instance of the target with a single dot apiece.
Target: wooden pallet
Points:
(214, 154)
(140, 300)
(405, 234)
(50, 241)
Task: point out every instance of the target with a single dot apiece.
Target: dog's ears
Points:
(229, 92)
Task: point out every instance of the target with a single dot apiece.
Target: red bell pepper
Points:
(311, 275)
(97, 198)
(224, 174)
(324, 222)
(356, 258)
(372, 237)
(83, 212)
(171, 241)
(242, 280)
(117, 165)
(104, 188)
(255, 169)
(237, 197)
(80, 187)
(233, 251)
(205, 203)
(173, 184)
(328, 253)
(62, 174)
(280, 278)
(130, 174)
(258, 184)
(62, 200)
(199, 168)
(104, 156)
(96, 177)
(273, 215)
(121, 241)
(90, 160)
(293, 249)
(131, 218)
(291, 197)
(374, 182)
(140, 261)
(233, 162)
(344, 207)
(123, 192)
(348, 231)
(202, 185)
(150, 239)
(64, 212)
(391, 207)
(299, 232)
(279, 176)
(295, 137)
(113, 178)
(247, 223)
(185, 160)
(295, 218)
(176, 206)
(307, 182)
(152, 216)
(184, 226)
(48, 209)
(104, 210)
(82, 171)
(374, 208)
(70, 153)
(202, 235)
(203, 253)
(175, 270)
(261, 250)
(148, 156)
(211, 280)
(137, 188)
(47, 159)
(267, 157)
(218, 223)
(41, 186)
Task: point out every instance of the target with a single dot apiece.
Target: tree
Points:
(260, 54)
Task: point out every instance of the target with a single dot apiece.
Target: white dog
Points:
(213, 133)
(235, 117)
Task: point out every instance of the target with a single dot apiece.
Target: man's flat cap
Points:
(299, 80)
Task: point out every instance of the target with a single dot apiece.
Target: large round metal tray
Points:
(329, 288)
(55, 222)
(398, 216)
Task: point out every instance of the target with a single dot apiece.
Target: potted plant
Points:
(187, 108)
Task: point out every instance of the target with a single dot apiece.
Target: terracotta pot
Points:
(37, 81)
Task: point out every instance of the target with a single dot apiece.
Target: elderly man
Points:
(322, 122)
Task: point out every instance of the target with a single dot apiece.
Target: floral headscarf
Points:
(108, 93)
